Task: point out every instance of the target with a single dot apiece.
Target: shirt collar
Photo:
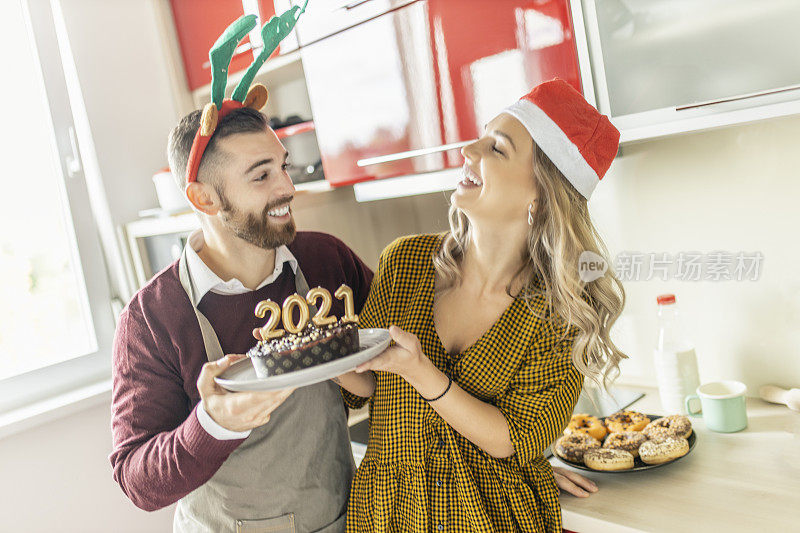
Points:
(203, 279)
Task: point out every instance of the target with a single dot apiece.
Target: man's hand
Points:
(236, 411)
(572, 482)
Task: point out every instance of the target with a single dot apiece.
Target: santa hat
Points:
(579, 140)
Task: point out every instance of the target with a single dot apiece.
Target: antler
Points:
(222, 52)
(272, 34)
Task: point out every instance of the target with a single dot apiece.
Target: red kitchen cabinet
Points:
(426, 75)
(327, 17)
(198, 24)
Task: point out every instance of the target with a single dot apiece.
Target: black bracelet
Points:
(449, 384)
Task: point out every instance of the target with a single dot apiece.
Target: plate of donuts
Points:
(626, 441)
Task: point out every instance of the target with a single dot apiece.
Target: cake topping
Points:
(291, 342)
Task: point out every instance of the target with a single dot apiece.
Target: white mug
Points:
(723, 405)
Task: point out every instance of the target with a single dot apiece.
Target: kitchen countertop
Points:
(745, 481)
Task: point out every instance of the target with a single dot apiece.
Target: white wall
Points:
(732, 189)
(122, 70)
(57, 477)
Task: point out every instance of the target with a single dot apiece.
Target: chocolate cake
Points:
(312, 346)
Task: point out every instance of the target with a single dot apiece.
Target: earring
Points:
(530, 215)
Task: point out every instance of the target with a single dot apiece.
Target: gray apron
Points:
(290, 475)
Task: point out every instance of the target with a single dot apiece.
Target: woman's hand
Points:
(405, 358)
(480, 422)
(574, 483)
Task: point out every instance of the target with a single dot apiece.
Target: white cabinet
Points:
(669, 66)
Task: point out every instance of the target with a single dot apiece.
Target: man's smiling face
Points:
(254, 189)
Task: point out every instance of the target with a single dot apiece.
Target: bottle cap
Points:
(666, 299)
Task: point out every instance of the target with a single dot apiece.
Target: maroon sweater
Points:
(160, 450)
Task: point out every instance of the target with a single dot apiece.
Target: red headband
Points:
(256, 98)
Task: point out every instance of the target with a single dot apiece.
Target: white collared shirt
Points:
(204, 280)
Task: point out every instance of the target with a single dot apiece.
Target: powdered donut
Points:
(626, 440)
(572, 447)
(655, 452)
(668, 426)
(608, 459)
(586, 424)
(626, 421)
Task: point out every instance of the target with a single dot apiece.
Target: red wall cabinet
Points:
(198, 24)
(327, 17)
(427, 74)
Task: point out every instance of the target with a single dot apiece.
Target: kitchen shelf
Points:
(138, 232)
(313, 186)
(147, 227)
(295, 129)
(410, 185)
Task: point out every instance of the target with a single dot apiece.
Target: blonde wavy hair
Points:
(561, 231)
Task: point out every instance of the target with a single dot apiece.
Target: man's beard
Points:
(257, 230)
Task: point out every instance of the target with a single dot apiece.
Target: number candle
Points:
(346, 293)
(295, 300)
(268, 331)
(321, 318)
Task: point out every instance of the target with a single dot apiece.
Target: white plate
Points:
(242, 376)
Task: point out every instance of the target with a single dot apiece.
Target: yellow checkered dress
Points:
(420, 475)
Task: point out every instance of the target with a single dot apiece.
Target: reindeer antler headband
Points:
(255, 97)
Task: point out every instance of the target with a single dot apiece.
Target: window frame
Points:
(48, 37)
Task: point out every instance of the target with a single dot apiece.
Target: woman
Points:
(494, 331)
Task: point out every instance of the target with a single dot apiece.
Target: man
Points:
(248, 461)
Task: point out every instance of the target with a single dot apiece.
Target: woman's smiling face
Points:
(498, 183)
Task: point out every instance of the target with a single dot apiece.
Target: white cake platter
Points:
(241, 376)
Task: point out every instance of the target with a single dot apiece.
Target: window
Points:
(56, 322)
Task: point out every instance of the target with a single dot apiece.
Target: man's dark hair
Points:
(244, 120)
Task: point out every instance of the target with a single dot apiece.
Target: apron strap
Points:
(210, 339)
(301, 286)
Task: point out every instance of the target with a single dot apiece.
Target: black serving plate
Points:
(638, 464)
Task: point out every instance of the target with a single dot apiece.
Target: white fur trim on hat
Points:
(555, 143)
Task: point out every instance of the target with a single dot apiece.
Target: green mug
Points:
(723, 405)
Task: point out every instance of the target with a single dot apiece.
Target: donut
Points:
(586, 424)
(626, 421)
(572, 447)
(608, 459)
(668, 426)
(656, 452)
(626, 440)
